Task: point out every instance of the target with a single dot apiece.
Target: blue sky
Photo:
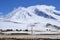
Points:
(7, 6)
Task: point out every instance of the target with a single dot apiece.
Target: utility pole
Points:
(32, 28)
(32, 25)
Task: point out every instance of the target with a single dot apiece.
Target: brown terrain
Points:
(26, 36)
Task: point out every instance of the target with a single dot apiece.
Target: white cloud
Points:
(1, 13)
(43, 7)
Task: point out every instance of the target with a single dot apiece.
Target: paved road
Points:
(31, 36)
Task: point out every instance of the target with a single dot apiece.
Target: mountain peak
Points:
(22, 14)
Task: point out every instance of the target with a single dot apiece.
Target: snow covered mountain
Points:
(24, 18)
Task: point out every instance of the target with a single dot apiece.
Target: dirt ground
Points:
(25, 39)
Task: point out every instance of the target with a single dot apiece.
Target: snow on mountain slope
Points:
(23, 18)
